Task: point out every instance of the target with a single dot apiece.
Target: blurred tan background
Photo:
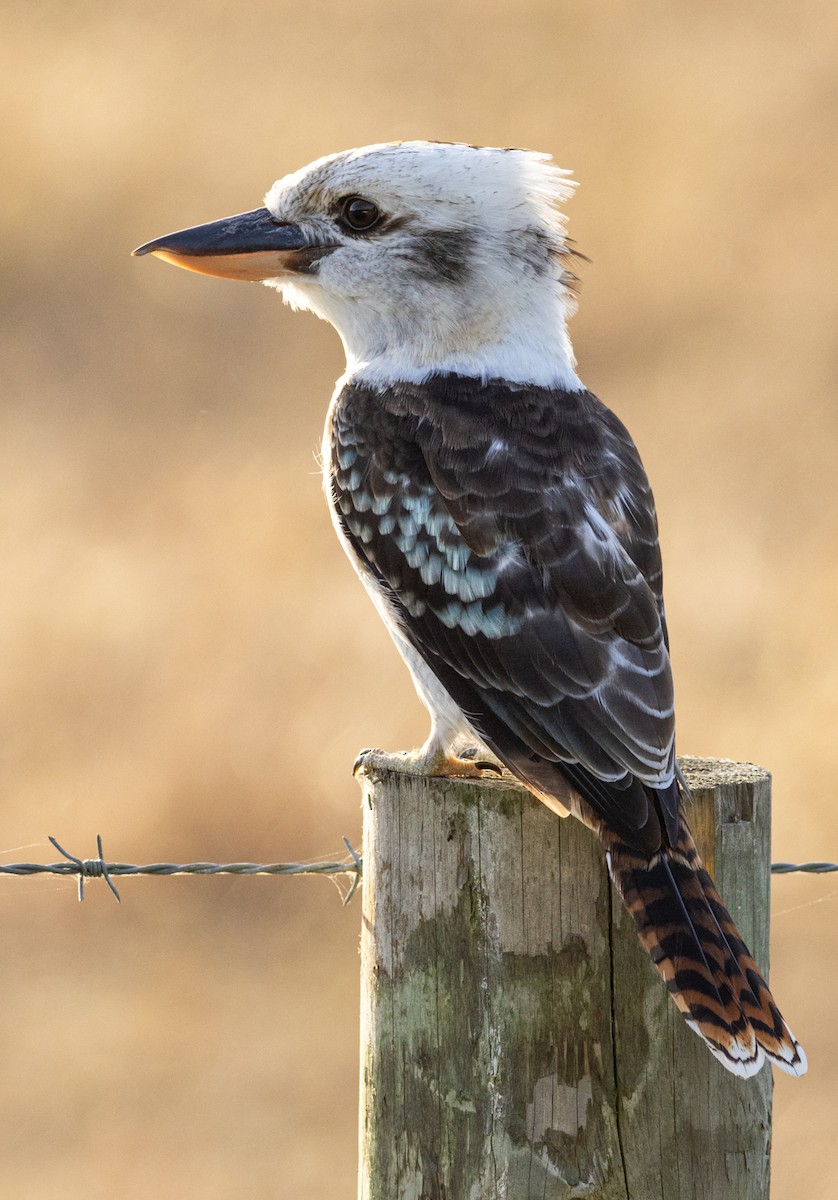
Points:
(188, 663)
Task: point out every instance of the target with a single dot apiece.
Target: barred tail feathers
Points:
(696, 948)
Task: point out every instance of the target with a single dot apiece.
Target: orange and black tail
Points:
(708, 969)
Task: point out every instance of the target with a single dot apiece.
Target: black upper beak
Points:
(251, 245)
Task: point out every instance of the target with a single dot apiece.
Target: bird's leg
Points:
(434, 758)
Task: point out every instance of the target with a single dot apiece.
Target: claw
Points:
(470, 755)
(489, 766)
(359, 761)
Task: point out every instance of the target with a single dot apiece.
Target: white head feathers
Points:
(462, 270)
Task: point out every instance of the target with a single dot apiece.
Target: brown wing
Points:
(515, 532)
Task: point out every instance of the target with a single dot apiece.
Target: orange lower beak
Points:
(249, 246)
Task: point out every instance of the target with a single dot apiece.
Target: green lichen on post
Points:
(515, 1042)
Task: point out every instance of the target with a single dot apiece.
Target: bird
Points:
(501, 519)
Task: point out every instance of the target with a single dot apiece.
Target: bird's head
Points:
(425, 256)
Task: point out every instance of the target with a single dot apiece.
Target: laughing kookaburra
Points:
(501, 519)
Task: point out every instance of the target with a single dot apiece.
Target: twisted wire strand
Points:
(98, 868)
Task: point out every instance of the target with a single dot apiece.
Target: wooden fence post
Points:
(516, 1043)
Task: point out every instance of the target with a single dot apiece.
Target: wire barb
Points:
(359, 871)
(89, 868)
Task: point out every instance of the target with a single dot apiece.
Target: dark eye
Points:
(358, 213)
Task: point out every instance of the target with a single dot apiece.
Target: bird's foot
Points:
(433, 761)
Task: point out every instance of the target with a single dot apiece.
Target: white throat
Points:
(536, 352)
(526, 342)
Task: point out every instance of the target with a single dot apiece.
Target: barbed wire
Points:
(98, 868)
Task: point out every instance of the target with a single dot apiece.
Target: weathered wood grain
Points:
(516, 1042)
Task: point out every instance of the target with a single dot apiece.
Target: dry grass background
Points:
(189, 665)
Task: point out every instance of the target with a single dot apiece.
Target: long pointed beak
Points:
(248, 246)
